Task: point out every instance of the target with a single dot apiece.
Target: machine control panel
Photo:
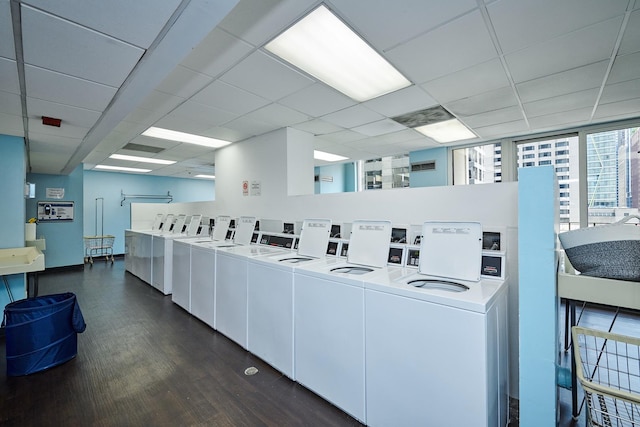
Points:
(277, 240)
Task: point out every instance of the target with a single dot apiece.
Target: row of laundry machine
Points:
(392, 333)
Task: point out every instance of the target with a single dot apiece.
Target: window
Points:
(562, 169)
(563, 186)
(529, 164)
(562, 144)
(477, 165)
(560, 161)
(544, 162)
(528, 148)
(545, 154)
(529, 156)
(562, 152)
(386, 172)
(565, 194)
(544, 146)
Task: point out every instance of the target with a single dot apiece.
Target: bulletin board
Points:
(58, 211)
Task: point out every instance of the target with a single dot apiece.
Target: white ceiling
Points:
(111, 69)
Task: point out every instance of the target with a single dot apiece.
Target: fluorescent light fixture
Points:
(447, 131)
(323, 46)
(120, 168)
(141, 159)
(205, 176)
(189, 138)
(321, 155)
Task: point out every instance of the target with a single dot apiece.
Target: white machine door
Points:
(314, 237)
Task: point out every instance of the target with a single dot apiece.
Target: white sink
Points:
(21, 260)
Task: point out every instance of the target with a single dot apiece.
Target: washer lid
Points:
(244, 230)
(314, 237)
(369, 243)
(221, 227)
(451, 249)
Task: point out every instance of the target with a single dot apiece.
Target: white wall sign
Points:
(55, 193)
(245, 188)
(255, 188)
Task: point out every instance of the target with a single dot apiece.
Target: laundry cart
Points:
(608, 368)
(98, 246)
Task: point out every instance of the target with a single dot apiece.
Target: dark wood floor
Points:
(144, 361)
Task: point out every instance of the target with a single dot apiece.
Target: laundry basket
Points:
(41, 332)
(608, 368)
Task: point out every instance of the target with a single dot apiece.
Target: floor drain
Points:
(251, 371)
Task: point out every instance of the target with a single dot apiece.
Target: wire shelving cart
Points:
(608, 368)
(99, 245)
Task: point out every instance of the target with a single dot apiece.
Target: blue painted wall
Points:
(12, 214)
(65, 246)
(344, 178)
(109, 185)
(436, 177)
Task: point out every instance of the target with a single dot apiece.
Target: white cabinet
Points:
(329, 341)
(203, 267)
(181, 275)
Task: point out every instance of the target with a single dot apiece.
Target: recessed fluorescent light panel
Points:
(141, 159)
(323, 46)
(328, 157)
(447, 131)
(205, 176)
(188, 138)
(121, 168)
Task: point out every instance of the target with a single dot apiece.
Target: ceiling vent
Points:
(429, 165)
(424, 117)
(140, 147)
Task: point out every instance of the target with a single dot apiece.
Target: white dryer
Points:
(329, 318)
(270, 285)
(436, 337)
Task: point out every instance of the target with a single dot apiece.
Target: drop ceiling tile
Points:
(502, 130)
(144, 117)
(575, 80)
(160, 102)
(9, 73)
(183, 82)
(47, 162)
(631, 38)
(397, 137)
(87, 54)
(318, 127)
(137, 22)
(412, 98)
(455, 46)
(588, 45)
(182, 124)
(558, 104)
(410, 18)
(7, 48)
(155, 142)
(11, 124)
(10, 103)
(217, 53)
(64, 131)
(502, 115)
(74, 116)
(488, 101)
(229, 98)
(194, 111)
(265, 76)
(344, 136)
(471, 81)
(64, 89)
(618, 110)
(621, 92)
(562, 120)
(624, 68)
(317, 100)
(57, 143)
(253, 127)
(353, 116)
(277, 114)
(381, 127)
(227, 134)
(522, 23)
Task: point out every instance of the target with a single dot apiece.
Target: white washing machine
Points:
(194, 271)
(436, 336)
(270, 285)
(231, 285)
(329, 318)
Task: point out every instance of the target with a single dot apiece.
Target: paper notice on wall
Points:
(255, 188)
(245, 188)
(55, 193)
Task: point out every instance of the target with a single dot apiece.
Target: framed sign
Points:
(55, 211)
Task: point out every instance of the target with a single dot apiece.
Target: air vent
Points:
(424, 117)
(140, 147)
(429, 165)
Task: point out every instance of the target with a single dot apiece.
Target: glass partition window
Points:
(386, 172)
(613, 174)
(481, 164)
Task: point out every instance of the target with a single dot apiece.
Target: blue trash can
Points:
(41, 332)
